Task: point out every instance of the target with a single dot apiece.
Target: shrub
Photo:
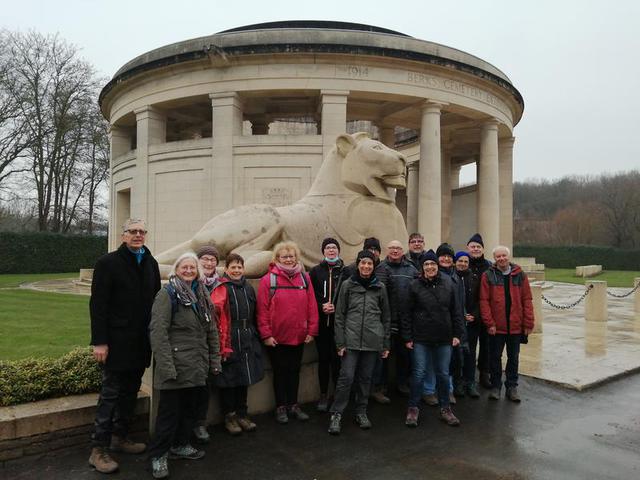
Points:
(28, 380)
(41, 252)
(571, 256)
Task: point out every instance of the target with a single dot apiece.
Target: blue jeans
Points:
(439, 357)
(497, 343)
(429, 385)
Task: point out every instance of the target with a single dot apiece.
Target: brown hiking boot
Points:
(380, 397)
(246, 424)
(412, 417)
(447, 415)
(124, 445)
(430, 399)
(231, 424)
(102, 461)
(512, 394)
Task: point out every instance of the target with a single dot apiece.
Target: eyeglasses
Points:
(136, 231)
(416, 240)
(394, 248)
(286, 257)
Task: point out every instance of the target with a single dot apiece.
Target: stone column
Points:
(505, 167)
(227, 122)
(636, 295)
(412, 196)
(429, 194)
(333, 117)
(445, 185)
(455, 177)
(488, 186)
(120, 143)
(151, 125)
(388, 137)
(595, 308)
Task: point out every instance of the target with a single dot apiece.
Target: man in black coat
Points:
(478, 264)
(125, 283)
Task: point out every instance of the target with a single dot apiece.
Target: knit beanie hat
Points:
(477, 238)
(445, 249)
(328, 241)
(208, 250)
(428, 255)
(365, 254)
(372, 242)
(462, 254)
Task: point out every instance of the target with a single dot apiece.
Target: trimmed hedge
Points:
(40, 252)
(28, 380)
(572, 256)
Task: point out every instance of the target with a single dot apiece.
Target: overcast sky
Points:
(575, 62)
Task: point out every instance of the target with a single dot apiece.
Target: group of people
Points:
(429, 311)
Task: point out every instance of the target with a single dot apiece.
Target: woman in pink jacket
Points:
(287, 319)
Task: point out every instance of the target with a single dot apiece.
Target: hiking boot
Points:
(281, 415)
(323, 403)
(412, 417)
(380, 397)
(403, 389)
(246, 424)
(296, 412)
(512, 394)
(201, 435)
(494, 394)
(447, 416)
(185, 452)
(124, 445)
(102, 461)
(430, 399)
(363, 421)
(458, 390)
(334, 424)
(231, 424)
(485, 380)
(160, 467)
(472, 390)
(452, 398)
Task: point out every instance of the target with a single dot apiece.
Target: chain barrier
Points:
(571, 305)
(624, 295)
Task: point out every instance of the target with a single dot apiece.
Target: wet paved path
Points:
(554, 434)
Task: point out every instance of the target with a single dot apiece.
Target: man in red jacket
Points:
(507, 311)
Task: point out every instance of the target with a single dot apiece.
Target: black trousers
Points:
(328, 359)
(483, 351)
(285, 363)
(202, 405)
(176, 418)
(355, 374)
(234, 399)
(116, 405)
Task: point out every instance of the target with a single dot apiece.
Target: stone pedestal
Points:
(536, 293)
(595, 309)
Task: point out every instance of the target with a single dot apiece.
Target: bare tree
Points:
(54, 91)
(620, 199)
(13, 138)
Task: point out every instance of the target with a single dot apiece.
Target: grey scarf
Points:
(198, 300)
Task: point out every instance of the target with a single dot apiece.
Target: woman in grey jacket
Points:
(184, 341)
(362, 330)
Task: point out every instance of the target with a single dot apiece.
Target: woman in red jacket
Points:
(287, 319)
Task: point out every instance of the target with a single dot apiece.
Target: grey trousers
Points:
(356, 370)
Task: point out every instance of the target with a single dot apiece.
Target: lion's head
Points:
(368, 166)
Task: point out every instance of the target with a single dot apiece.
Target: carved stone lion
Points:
(348, 200)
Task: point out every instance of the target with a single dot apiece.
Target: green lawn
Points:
(40, 324)
(11, 280)
(614, 278)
